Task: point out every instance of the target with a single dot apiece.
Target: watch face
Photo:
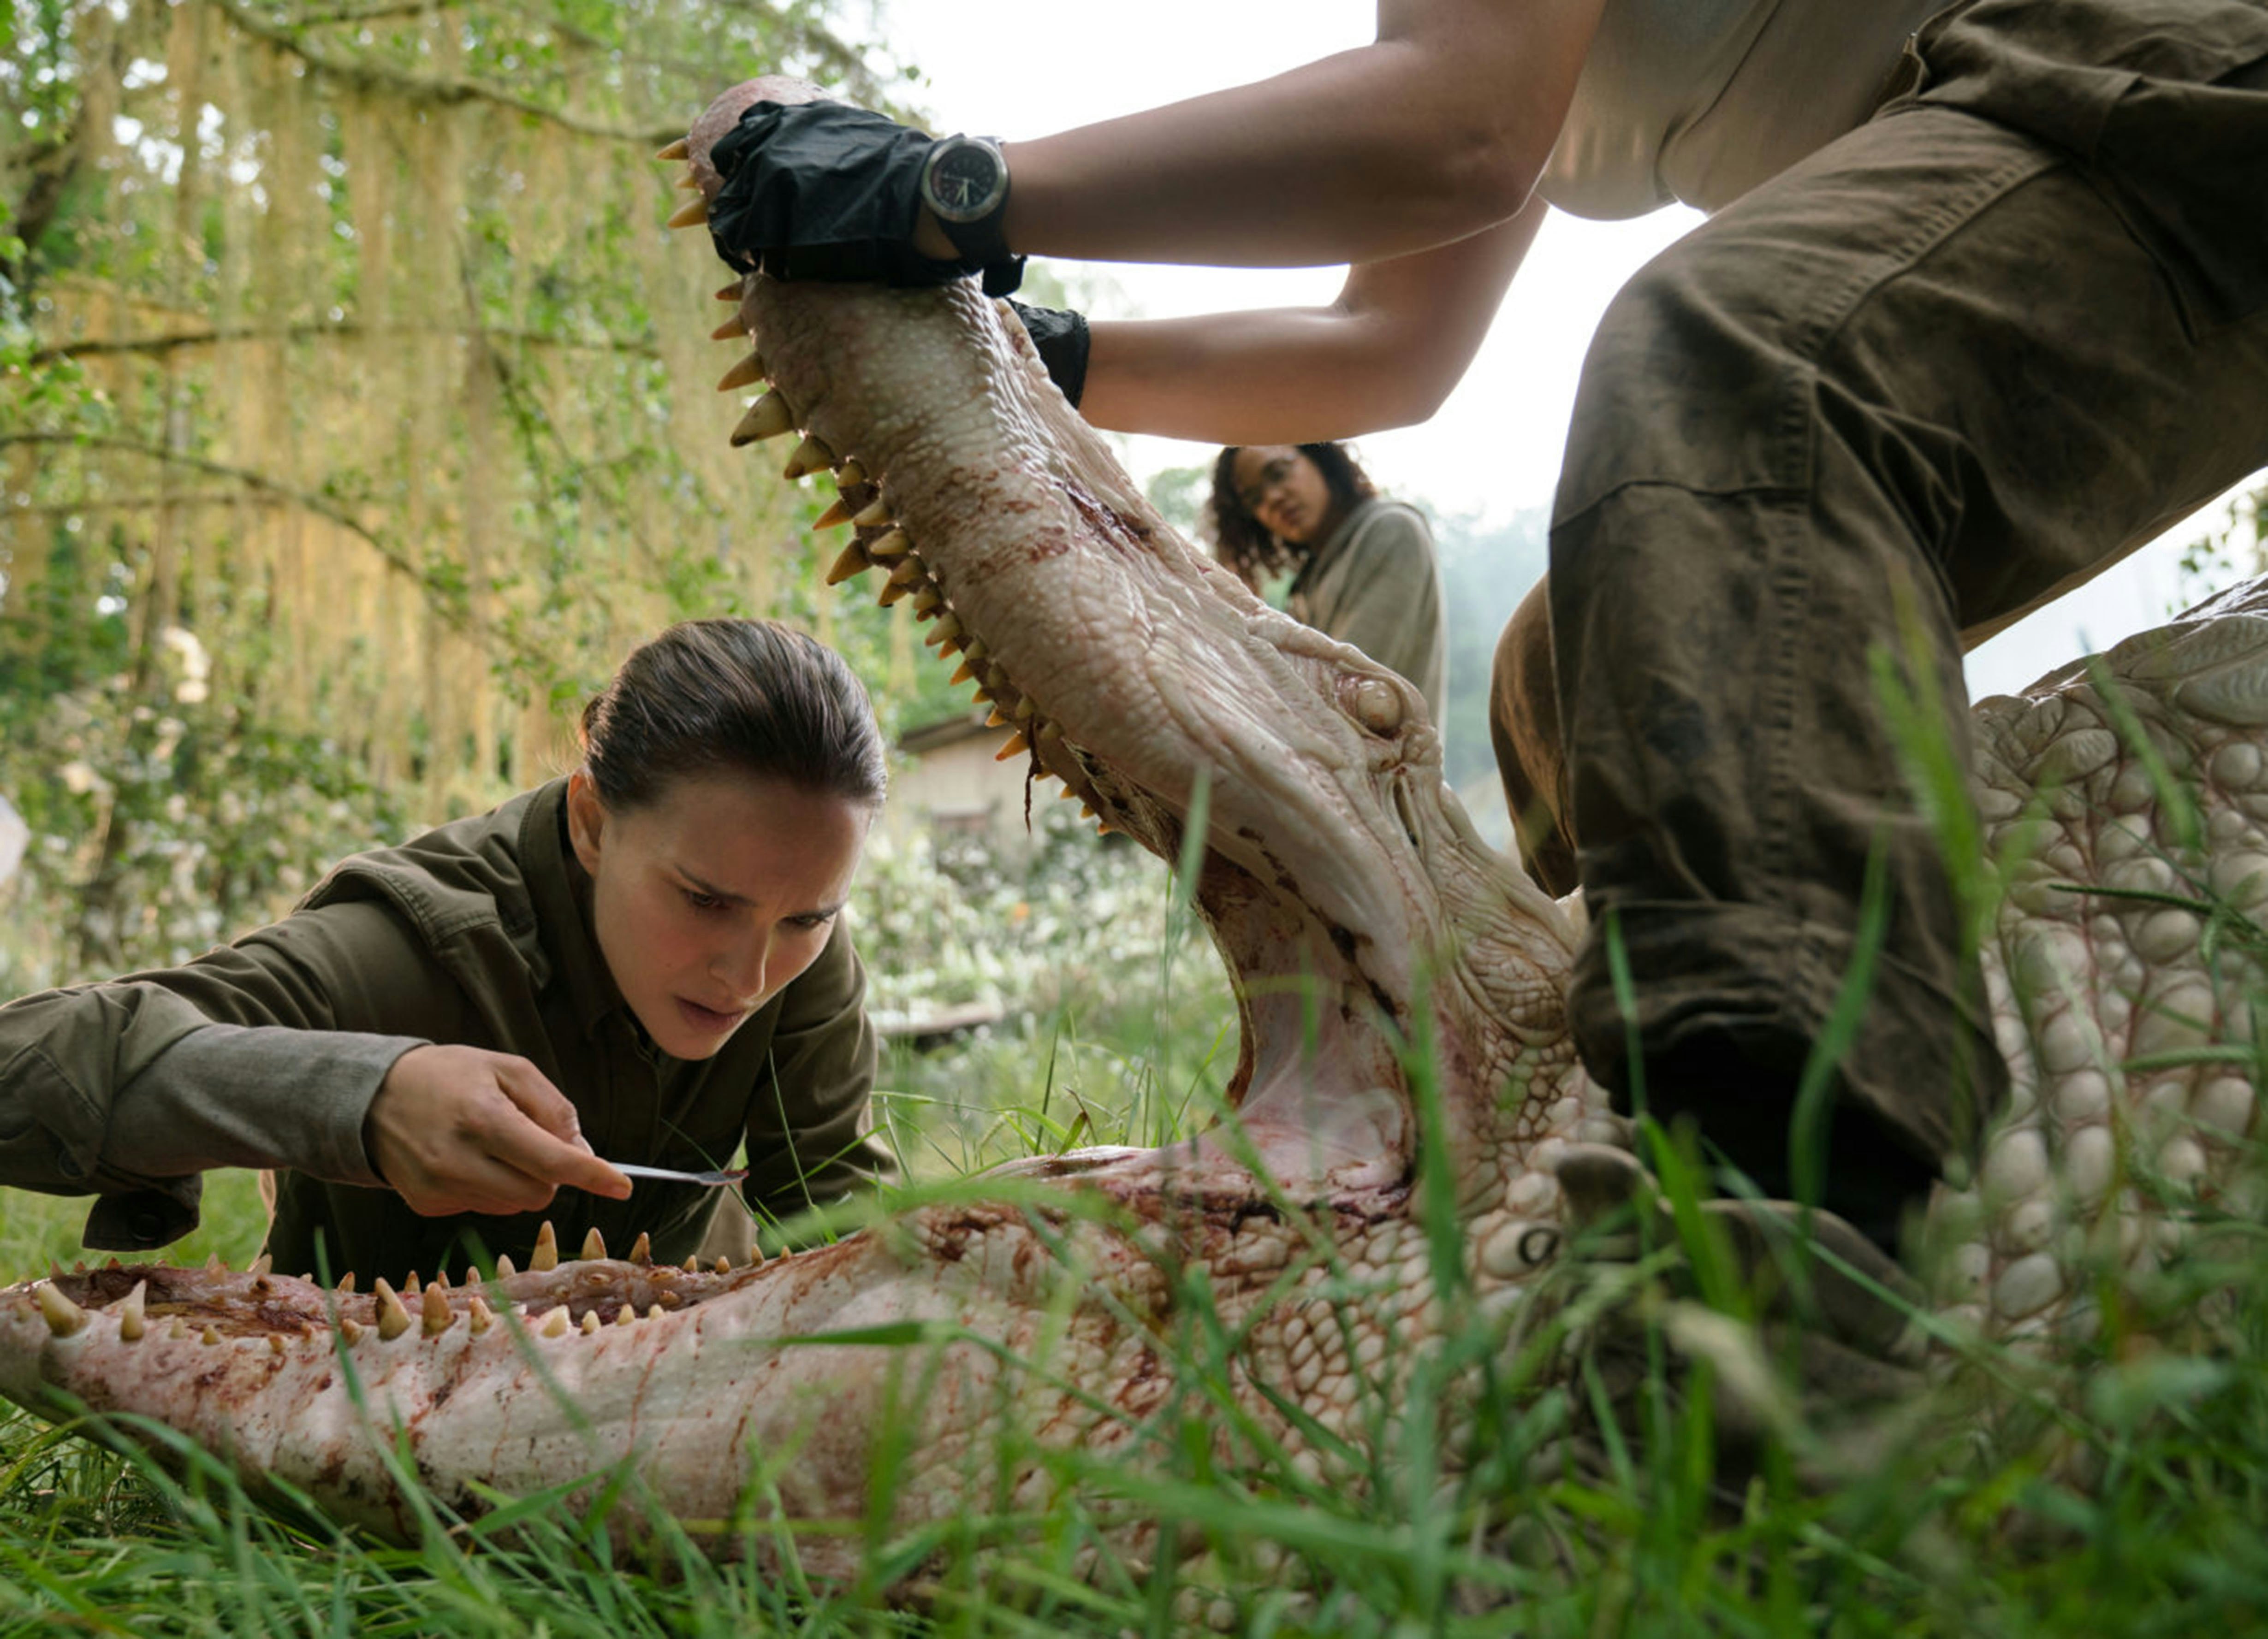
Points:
(966, 179)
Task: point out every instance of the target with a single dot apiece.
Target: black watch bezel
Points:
(995, 199)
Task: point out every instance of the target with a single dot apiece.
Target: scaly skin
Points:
(1357, 914)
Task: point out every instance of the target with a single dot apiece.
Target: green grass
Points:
(2118, 1489)
(1974, 1520)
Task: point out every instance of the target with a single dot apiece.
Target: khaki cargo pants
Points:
(1957, 362)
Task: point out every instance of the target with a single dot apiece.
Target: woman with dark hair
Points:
(643, 961)
(1362, 567)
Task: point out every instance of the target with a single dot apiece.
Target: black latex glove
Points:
(1060, 336)
(818, 190)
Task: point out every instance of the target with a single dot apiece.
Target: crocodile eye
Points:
(1377, 705)
(1538, 1245)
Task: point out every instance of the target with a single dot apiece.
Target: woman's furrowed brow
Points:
(711, 890)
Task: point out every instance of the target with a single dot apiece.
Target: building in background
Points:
(947, 780)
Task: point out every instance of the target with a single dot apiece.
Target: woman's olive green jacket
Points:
(268, 1052)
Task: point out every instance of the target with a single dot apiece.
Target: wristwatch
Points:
(964, 183)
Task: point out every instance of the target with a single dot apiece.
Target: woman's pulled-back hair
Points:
(1238, 539)
(751, 695)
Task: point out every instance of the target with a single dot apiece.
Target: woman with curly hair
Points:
(1362, 567)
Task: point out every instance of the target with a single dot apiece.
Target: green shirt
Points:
(1374, 585)
(268, 1051)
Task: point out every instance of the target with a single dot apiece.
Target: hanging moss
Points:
(353, 347)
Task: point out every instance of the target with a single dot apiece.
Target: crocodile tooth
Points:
(677, 150)
(595, 1245)
(626, 1316)
(1025, 711)
(642, 1248)
(653, 1312)
(1017, 746)
(688, 183)
(874, 515)
(811, 456)
(756, 1254)
(409, 1288)
(928, 600)
(853, 473)
(896, 544)
(546, 1255)
(130, 1312)
(731, 330)
(962, 672)
(64, 1317)
(691, 1266)
(262, 1266)
(555, 1323)
(472, 1276)
(437, 1315)
(853, 563)
(441, 1279)
(478, 1315)
(213, 1265)
(732, 292)
(749, 368)
(347, 1282)
(393, 1318)
(767, 418)
(724, 1266)
(838, 511)
(505, 1269)
(946, 631)
(589, 1321)
(996, 719)
(276, 1343)
(891, 592)
(176, 1330)
(690, 213)
(209, 1338)
(350, 1329)
(909, 574)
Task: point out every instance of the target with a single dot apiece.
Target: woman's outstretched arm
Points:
(1385, 354)
(1433, 133)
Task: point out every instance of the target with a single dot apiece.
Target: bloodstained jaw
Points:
(1134, 671)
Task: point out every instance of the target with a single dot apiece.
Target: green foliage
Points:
(1181, 494)
(1485, 574)
(342, 348)
(2234, 547)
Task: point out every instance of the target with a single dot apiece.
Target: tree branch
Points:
(426, 88)
(221, 335)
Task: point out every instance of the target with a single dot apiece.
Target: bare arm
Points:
(1433, 133)
(1385, 354)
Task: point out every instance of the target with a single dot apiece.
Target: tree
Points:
(354, 420)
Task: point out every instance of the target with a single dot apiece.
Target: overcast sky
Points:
(1493, 450)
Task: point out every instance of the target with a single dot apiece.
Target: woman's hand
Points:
(461, 1129)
